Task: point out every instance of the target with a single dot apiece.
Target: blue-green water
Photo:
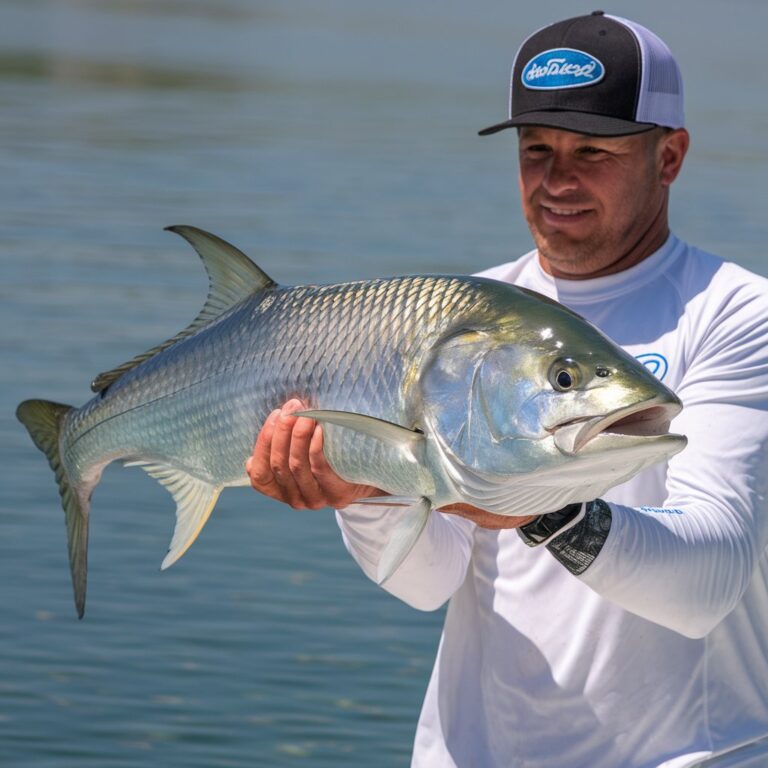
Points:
(330, 140)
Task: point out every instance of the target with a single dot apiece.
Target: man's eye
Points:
(590, 151)
(536, 149)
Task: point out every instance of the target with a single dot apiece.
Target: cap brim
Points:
(578, 122)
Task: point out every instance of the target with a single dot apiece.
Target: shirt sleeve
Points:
(687, 565)
(433, 570)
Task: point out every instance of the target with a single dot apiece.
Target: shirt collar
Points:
(607, 287)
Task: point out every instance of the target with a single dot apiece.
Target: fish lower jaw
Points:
(665, 445)
(604, 462)
(639, 421)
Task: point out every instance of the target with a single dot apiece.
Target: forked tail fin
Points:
(43, 421)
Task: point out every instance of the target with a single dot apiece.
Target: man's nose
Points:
(560, 175)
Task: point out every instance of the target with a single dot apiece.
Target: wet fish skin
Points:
(436, 388)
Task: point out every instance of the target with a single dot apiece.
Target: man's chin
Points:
(564, 257)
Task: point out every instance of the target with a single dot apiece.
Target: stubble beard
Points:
(576, 258)
(595, 253)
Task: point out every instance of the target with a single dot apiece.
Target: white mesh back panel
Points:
(661, 88)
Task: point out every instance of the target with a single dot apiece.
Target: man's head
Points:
(598, 104)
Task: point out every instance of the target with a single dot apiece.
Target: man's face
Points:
(591, 201)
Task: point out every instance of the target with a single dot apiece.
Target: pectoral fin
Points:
(195, 500)
(403, 538)
(395, 435)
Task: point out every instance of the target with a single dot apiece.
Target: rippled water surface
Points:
(330, 140)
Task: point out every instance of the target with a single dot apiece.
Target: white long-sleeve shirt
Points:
(658, 653)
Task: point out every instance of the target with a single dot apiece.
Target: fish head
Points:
(540, 398)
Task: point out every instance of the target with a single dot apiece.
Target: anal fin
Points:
(195, 500)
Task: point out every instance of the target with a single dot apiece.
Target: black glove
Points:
(574, 534)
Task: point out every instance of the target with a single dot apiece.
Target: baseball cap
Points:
(597, 74)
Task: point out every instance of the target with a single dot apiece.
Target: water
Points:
(330, 141)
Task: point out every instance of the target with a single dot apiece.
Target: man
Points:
(633, 630)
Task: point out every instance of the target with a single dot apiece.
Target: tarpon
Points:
(438, 389)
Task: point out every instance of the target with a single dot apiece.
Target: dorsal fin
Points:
(232, 276)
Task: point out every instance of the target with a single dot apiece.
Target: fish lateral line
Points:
(153, 401)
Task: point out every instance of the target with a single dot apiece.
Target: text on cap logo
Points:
(562, 68)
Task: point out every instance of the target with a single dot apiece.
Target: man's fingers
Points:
(337, 493)
(258, 465)
(288, 463)
(280, 458)
(485, 519)
(332, 487)
(317, 460)
(269, 467)
(300, 466)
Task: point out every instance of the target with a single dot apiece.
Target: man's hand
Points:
(485, 519)
(288, 464)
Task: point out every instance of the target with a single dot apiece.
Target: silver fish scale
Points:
(359, 358)
(198, 405)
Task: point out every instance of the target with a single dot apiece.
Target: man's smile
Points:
(565, 211)
(563, 214)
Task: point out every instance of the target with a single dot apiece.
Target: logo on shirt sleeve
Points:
(657, 364)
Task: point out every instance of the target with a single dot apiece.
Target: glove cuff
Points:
(545, 527)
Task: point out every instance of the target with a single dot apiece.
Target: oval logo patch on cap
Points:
(562, 68)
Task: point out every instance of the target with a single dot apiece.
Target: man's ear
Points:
(671, 151)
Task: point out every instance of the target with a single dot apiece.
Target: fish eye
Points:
(564, 374)
(563, 379)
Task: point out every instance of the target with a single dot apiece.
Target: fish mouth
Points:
(645, 421)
